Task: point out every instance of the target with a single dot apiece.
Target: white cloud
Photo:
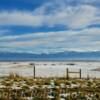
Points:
(82, 40)
(19, 18)
(52, 14)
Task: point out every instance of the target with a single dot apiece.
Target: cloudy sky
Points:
(48, 26)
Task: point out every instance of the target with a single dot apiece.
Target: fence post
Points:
(67, 73)
(80, 74)
(34, 71)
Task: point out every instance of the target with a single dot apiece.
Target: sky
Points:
(49, 26)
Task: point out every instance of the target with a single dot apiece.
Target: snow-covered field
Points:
(49, 69)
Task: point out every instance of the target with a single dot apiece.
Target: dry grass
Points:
(39, 88)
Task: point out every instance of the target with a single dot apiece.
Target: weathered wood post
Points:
(34, 71)
(67, 73)
(80, 73)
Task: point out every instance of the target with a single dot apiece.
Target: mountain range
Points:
(68, 55)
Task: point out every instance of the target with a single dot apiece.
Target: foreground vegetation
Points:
(15, 87)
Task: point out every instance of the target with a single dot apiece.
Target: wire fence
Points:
(50, 70)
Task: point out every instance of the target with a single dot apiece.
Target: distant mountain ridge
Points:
(68, 55)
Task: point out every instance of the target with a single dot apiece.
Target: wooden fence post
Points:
(34, 71)
(73, 72)
(80, 74)
(67, 73)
